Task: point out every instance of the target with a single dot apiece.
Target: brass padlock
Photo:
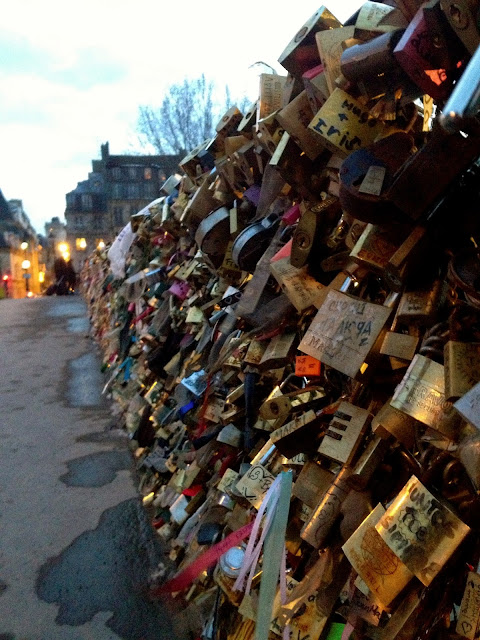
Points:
(314, 223)
(270, 94)
(344, 124)
(462, 368)
(301, 52)
(344, 433)
(295, 118)
(296, 168)
(344, 331)
(372, 67)
(330, 45)
(315, 84)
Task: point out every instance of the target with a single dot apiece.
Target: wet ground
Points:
(76, 549)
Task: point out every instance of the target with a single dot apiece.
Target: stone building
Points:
(20, 271)
(117, 187)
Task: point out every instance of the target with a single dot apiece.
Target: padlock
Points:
(270, 94)
(345, 432)
(190, 163)
(420, 308)
(312, 483)
(376, 17)
(267, 133)
(331, 45)
(296, 168)
(374, 70)
(295, 118)
(344, 331)
(421, 393)
(327, 510)
(421, 530)
(378, 566)
(279, 351)
(463, 18)
(462, 368)
(427, 54)
(367, 174)
(246, 161)
(297, 435)
(316, 220)
(344, 124)
(301, 52)
(418, 186)
(316, 87)
(299, 286)
(377, 245)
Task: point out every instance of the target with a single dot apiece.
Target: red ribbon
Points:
(185, 578)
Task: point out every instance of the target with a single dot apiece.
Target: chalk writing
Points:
(343, 331)
(374, 561)
(421, 530)
(469, 614)
(254, 484)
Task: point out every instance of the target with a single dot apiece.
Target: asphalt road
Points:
(76, 548)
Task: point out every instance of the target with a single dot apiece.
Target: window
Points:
(80, 244)
(79, 222)
(149, 190)
(133, 191)
(71, 200)
(132, 173)
(97, 223)
(147, 173)
(117, 216)
(116, 173)
(87, 201)
(117, 190)
(161, 175)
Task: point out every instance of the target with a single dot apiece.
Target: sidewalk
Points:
(76, 550)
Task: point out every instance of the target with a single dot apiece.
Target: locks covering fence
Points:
(291, 339)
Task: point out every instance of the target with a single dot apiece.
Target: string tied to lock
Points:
(269, 527)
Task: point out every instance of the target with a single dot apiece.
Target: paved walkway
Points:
(76, 549)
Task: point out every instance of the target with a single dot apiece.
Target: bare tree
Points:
(186, 117)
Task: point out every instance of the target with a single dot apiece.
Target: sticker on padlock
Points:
(307, 366)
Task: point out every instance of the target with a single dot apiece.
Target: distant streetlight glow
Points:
(24, 246)
(26, 264)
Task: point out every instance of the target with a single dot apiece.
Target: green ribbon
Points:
(272, 557)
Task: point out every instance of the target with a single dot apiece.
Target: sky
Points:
(73, 74)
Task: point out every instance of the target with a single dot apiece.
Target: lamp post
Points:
(26, 275)
(26, 266)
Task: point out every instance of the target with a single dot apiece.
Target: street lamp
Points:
(26, 275)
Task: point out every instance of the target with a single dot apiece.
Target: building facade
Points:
(117, 187)
(21, 271)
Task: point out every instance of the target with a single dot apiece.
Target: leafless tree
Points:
(186, 117)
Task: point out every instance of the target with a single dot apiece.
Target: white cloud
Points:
(51, 126)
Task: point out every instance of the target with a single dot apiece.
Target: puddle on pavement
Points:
(108, 569)
(66, 307)
(96, 469)
(85, 382)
